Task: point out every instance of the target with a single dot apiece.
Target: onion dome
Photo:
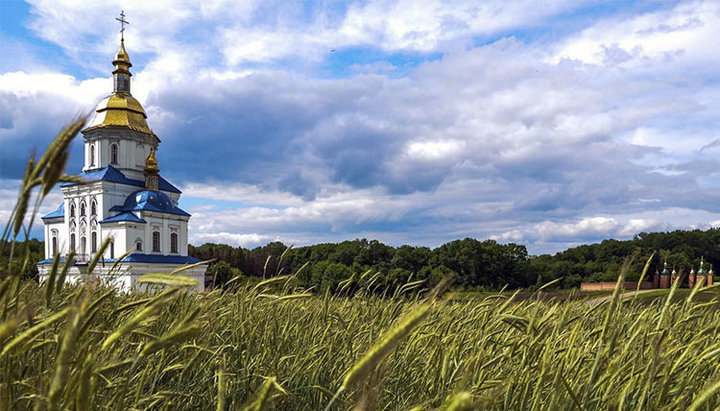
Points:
(665, 270)
(151, 171)
(121, 109)
(151, 200)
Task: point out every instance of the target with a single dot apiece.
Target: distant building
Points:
(662, 279)
(124, 197)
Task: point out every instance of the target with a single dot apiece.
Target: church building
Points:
(123, 197)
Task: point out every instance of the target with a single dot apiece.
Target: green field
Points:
(93, 348)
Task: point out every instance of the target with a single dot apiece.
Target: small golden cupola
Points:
(121, 74)
(151, 172)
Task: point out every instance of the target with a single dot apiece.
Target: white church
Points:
(123, 197)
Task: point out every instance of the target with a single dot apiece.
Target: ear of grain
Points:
(222, 389)
(63, 274)
(385, 345)
(168, 279)
(72, 327)
(32, 332)
(271, 281)
(118, 260)
(644, 272)
(176, 336)
(99, 254)
(50, 282)
(262, 399)
(85, 392)
(462, 401)
(133, 322)
(189, 266)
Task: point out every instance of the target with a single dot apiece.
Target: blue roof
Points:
(50, 260)
(150, 200)
(124, 216)
(167, 259)
(112, 174)
(60, 212)
(140, 258)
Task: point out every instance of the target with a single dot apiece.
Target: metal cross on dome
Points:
(123, 22)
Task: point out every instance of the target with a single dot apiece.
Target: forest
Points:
(475, 264)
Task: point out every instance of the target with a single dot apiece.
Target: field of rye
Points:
(272, 346)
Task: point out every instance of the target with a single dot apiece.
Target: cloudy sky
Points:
(548, 123)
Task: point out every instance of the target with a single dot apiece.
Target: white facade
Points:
(124, 199)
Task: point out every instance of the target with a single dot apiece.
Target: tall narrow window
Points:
(173, 243)
(93, 241)
(138, 245)
(113, 153)
(82, 209)
(156, 241)
(72, 209)
(112, 249)
(54, 245)
(93, 208)
(92, 155)
(72, 242)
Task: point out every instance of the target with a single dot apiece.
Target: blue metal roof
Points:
(139, 258)
(124, 216)
(151, 200)
(112, 174)
(60, 212)
(167, 259)
(50, 260)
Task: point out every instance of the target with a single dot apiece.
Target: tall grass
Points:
(194, 350)
(270, 346)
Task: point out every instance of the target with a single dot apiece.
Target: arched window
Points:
(72, 209)
(138, 245)
(156, 241)
(54, 244)
(82, 209)
(83, 246)
(93, 208)
(72, 242)
(92, 155)
(173, 243)
(113, 153)
(93, 241)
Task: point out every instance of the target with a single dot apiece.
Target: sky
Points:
(544, 123)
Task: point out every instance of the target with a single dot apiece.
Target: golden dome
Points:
(120, 109)
(151, 163)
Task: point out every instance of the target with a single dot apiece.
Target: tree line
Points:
(475, 264)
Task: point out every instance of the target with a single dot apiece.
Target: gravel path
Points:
(624, 295)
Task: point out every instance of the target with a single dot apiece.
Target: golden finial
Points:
(151, 171)
(151, 163)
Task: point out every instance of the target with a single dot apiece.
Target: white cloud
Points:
(683, 33)
(586, 227)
